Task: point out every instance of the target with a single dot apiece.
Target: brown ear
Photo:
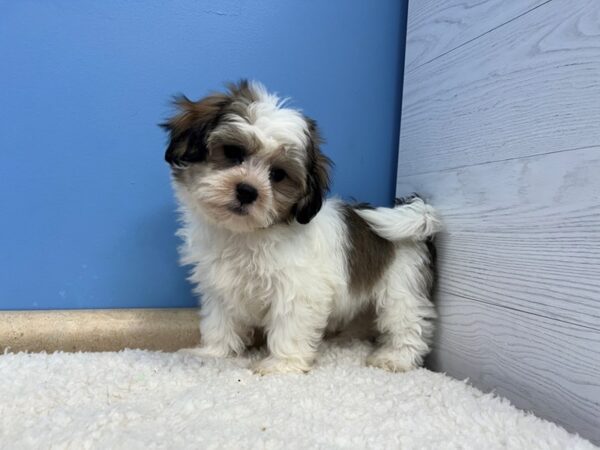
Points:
(317, 178)
(189, 128)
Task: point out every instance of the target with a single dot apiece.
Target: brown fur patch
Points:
(195, 119)
(242, 96)
(317, 177)
(188, 128)
(369, 254)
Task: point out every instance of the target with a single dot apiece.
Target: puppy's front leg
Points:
(218, 331)
(294, 332)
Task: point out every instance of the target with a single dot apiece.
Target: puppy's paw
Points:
(394, 360)
(206, 351)
(271, 365)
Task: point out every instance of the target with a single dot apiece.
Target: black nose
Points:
(246, 193)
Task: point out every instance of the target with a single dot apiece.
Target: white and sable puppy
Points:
(269, 254)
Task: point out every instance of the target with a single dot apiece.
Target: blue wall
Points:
(87, 211)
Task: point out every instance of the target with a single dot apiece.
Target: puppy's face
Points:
(244, 161)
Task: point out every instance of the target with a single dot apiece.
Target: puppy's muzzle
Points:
(246, 194)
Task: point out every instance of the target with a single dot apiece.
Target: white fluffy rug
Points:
(139, 399)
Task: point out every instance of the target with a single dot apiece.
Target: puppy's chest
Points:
(246, 279)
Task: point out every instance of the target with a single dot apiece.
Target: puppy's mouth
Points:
(238, 210)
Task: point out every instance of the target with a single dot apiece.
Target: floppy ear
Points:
(317, 177)
(188, 129)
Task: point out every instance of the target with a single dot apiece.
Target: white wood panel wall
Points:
(501, 131)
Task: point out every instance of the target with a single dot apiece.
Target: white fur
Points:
(255, 269)
(293, 281)
(270, 122)
(415, 220)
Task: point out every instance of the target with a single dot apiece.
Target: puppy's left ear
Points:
(189, 128)
(317, 177)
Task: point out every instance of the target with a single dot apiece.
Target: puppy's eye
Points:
(234, 153)
(277, 175)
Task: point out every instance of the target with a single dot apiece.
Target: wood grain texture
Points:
(435, 28)
(501, 132)
(529, 87)
(522, 233)
(540, 364)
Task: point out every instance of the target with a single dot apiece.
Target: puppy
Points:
(269, 253)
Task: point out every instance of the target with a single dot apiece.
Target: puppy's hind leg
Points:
(404, 313)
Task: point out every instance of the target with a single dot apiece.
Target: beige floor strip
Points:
(98, 330)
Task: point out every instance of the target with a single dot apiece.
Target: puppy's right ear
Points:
(189, 128)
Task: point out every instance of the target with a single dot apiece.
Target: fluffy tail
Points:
(414, 220)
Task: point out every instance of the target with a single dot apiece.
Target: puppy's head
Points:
(244, 161)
